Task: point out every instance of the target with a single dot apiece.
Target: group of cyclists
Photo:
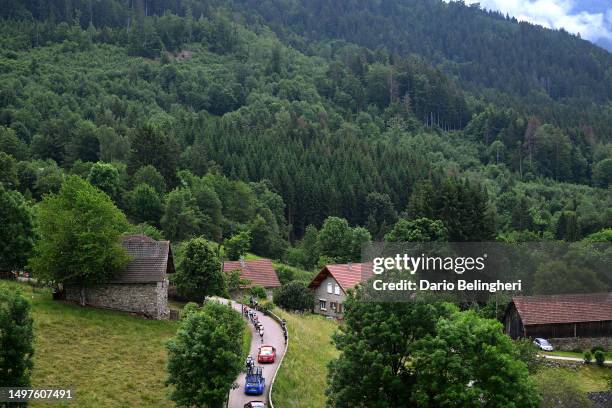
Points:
(252, 316)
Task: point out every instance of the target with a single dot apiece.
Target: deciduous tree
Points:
(16, 339)
(205, 356)
(199, 273)
(17, 231)
(79, 230)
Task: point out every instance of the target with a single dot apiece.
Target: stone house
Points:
(259, 272)
(142, 287)
(330, 286)
(572, 321)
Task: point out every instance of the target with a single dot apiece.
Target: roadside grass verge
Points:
(302, 379)
(246, 341)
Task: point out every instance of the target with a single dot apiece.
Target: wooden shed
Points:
(557, 316)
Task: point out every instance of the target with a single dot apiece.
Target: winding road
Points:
(273, 336)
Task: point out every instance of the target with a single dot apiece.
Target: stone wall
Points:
(149, 299)
(582, 343)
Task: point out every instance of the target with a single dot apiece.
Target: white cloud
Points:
(556, 14)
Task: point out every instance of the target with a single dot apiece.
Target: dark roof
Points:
(259, 272)
(150, 260)
(347, 275)
(588, 307)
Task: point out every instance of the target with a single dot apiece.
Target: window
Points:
(337, 289)
(322, 304)
(333, 306)
(330, 287)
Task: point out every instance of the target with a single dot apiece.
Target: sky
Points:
(591, 18)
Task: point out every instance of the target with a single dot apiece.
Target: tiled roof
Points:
(590, 307)
(259, 272)
(150, 262)
(347, 275)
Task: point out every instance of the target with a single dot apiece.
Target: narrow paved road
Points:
(273, 336)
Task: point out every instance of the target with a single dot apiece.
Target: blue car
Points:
(255, 383)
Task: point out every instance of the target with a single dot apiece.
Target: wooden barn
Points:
(558, 316)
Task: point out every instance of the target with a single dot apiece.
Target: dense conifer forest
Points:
(214, 118)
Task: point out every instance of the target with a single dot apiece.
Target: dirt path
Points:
(273, 336)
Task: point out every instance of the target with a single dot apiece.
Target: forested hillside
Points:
(531, 68)
(207, 118)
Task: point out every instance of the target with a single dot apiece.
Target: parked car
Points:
(267, 354)
(543, 344)
(255, 383)
(255, 404)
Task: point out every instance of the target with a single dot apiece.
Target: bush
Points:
(285, 274)
(600, 357)
(528, 353)
(188, 309)
(596, 348)
(294, 296)
(266, 306)
(588, 357)
(577, 350)
(259, 292)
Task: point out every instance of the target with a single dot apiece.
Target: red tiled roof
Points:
(588, 307)
(259, 272)
(347, 275)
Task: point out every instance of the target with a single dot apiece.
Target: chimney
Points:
(242, 263)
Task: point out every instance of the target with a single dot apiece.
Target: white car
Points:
(543, 344)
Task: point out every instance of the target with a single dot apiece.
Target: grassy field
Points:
(110, 359)
(590, 378)
(302, 379)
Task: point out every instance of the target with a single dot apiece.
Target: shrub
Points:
(294, 296)
(528, 353)
(594, 349)
(259, 292)
(188, 309)
(600, 357)
(266, 306)
(588, 357)
(285, 274)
